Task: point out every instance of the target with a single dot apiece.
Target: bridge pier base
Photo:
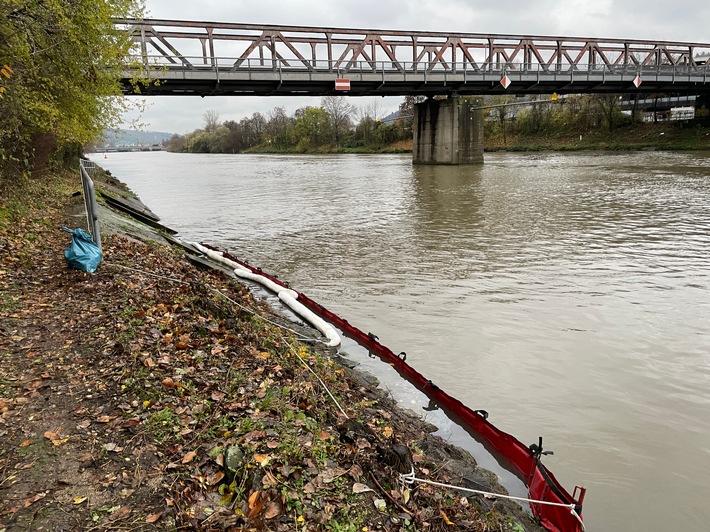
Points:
(448, 131)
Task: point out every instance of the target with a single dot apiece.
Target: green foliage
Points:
(64, 56)
(312, 129)
(571, 115)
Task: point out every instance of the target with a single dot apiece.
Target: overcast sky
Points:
(631, 19)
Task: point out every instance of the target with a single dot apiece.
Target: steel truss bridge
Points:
(211, 58)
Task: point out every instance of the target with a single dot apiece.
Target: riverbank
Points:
(154, 394)
(672, 136)
(402, 146)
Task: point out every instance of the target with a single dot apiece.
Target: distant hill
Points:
(129, 137)
(391, 118)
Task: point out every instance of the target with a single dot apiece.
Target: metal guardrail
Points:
(156, 65)
(87, 169)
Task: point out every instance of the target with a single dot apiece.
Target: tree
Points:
(276, 128)
(501, 110)
(311, 128)
(176, 143)
(63, 91)
(211, 119)
(339, 111)
(406, 109)
(369, 120)
(609, 106)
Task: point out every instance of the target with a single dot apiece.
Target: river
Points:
(566, 294)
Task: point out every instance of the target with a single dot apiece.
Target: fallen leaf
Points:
(113, 448)
(32, 500)
(79, 500)
(26, 443)
(330, 475)
(355, 472)
(216, 350)
(152, 518)
(55, 438)
(272, 444)
(214, 478)
(218, 396)
(268, 480)
(446, 518)
(189, 457)
(272, 510)
(168, 382)
(105, 419)
(122, 513)
(361, 488)
(262, 459)
(388, 432)
(253, 498)
(258, 498)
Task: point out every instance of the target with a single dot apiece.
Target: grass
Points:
(661, 136)
(164, 425)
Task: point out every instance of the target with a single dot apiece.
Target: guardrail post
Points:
(92, 218)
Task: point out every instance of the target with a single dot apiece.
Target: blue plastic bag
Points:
(82, 253)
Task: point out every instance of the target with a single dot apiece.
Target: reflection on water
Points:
(565, 294)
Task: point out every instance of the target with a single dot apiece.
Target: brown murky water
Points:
(567, 294)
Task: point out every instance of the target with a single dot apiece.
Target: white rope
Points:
(410, 478)
(319, 379)
(173, 279)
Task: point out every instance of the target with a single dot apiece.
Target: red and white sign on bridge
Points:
(342, 84)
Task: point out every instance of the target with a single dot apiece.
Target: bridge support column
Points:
(448, 131)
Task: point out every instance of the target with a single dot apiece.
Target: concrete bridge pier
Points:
(448, 131)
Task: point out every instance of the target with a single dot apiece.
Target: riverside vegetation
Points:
(571, 123)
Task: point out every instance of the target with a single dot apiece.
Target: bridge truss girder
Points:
(221, 58)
